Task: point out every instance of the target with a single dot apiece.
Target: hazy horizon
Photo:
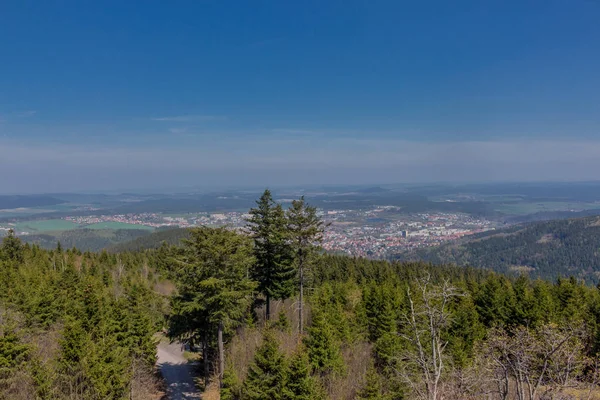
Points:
(100, 97)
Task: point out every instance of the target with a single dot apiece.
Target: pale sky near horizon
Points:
(107, 95)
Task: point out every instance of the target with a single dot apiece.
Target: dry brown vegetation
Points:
(243, 346)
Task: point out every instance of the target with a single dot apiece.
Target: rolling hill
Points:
(11, 202)
(84, 239)
(542, 249)
(151, 241)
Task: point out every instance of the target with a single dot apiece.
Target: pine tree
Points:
(495, 301)
(379, 312)
(283, 322)
(230, 389)
(373, 388)
(13, 353)
(268, 373)
(306, 232)
(300, 384)
(322, 347)
(11, 249)
(213, 282)
(465, 330)
(73, 344)
(107, 366)
(273, 269)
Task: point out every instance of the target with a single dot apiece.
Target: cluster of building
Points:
(378, 232)
(157, 220)
(382, 232)
(145, 219)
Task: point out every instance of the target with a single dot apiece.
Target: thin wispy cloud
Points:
(17, 115)
(25, 114)
(189, 118)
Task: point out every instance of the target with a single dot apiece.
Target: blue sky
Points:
(131, 95)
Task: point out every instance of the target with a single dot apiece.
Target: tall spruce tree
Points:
(379, 311)
(273, 269)
(267, 375)
(11, 249)
(322, 347)
(213, 282)
(306, 232)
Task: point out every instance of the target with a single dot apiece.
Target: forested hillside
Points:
(151, 241)
(545, 249)
(77, 325)
(85, 239)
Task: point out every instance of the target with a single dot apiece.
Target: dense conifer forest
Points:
(546, 249)
(77, 325)
(272, 317)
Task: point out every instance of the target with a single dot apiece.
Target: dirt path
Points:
(176, 371)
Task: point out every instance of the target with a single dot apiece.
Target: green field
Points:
(48, 225)
(117, 225)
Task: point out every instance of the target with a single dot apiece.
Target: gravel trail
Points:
(176, 371)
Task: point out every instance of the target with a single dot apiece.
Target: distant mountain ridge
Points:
(542, 249)
(27, 201)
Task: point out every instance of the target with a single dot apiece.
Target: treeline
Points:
(374, 329)
(77, 325)
(85, 239)
(544, 249)
(169, 236)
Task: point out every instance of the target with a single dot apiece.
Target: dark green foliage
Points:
(339, 302)
(231, 388)
(379, 310)
(12, 249)
(87, 239)
(98, 313)
(305, 230)
(300, 384)
(386, 351)
(464, 332)
(322, 346)
(106, 365)
(268, 373)
(495, 301)
(73, 343)
(214, 291)
(212, 276)
(283, 322)
(152, 241)
(13, 353)
(373, 387)
(273, 269)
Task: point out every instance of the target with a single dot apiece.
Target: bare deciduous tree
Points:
(525, 360)
(427, 318)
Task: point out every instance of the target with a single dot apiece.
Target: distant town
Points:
(377, 232)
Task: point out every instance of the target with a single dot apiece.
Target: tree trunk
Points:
(221, 354)
(268, 308)
(205, 362)
(301, 307)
